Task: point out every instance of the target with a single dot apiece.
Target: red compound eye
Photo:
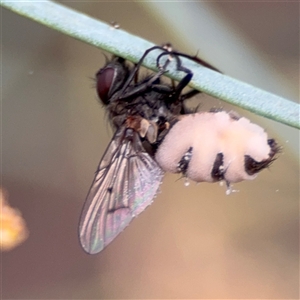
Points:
(104, 79)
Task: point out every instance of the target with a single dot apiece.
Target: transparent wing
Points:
(126, 182)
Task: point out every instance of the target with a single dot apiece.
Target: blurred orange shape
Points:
(13, 230)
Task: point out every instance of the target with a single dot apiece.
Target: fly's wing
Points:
(126, 182)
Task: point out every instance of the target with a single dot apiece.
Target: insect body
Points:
(128, 177)
(155, 132)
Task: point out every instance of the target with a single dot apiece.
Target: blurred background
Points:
(192, 242)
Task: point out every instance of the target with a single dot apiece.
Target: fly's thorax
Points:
(148, 114)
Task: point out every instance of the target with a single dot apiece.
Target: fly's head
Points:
(110, 79)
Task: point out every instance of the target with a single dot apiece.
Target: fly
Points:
(156, 133)
(128, 177)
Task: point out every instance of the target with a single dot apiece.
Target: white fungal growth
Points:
(210, 134)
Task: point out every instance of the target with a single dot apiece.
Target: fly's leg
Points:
(142, 88)
(197, 60)
(133, 76)
(176, 96)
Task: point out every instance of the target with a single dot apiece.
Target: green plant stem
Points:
(121, 43)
